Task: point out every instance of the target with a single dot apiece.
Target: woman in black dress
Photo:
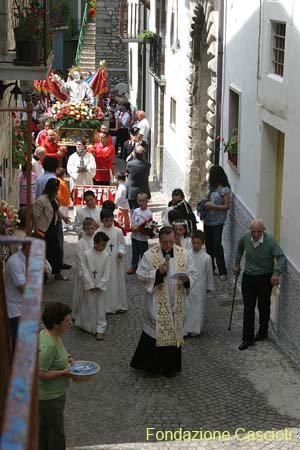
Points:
(46, 221)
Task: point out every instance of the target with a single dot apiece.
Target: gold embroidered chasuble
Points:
(169, 324)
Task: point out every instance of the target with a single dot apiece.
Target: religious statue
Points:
(76, 88)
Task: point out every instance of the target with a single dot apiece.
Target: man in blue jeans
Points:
(259, 277)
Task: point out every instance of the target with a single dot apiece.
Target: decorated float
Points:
(75, 121)
(75, 114)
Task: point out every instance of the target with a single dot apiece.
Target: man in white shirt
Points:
(15, 279)
(36, 161)
(143, 125)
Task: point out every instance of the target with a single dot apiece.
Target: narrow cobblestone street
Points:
(220, 388)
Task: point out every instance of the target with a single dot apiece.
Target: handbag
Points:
(201, 211)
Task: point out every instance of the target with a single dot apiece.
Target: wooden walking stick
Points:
(233, 300)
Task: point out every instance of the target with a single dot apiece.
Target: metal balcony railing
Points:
(18, 389)
(81, 34)
(157, 56)
(23, 21)
(131, 20)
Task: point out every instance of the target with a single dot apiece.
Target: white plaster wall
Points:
(240, 73)
(133, 88)
(152, 15)
(176, 71)
(264, 99)
(290, 225)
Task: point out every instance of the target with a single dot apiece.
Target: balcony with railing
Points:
(131, 20)
(157, 58)
(18, 387)
(25, 39)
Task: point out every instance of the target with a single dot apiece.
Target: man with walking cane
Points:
(259, 277)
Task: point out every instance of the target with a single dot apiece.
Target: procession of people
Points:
(176, 269)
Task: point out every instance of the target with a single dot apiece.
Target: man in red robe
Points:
(104, 154)
(51, 146)
(41, 137)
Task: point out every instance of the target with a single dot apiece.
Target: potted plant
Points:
(92, 10)
(92, 14)
(28, 31)
(147, 36)
(231, 147)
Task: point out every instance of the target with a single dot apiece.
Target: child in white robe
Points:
(85, 243)
(181, 234)
(91, 315)
(90, 210)
(116, 300)
(196, 301)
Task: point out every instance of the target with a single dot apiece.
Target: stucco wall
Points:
(268, 105)
(176, 72)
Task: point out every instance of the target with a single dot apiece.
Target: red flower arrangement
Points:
(149, 228)
(8, 218)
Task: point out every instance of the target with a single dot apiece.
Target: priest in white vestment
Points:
(84, 244)
(90, 210)
(166, 271)
(116, 299)
(91, 315)
(196, 301)
(81, 166)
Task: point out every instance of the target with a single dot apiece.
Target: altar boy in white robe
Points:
(196, 301)
(85, 243)
(166, 270)
(91, 316)
(116, 300)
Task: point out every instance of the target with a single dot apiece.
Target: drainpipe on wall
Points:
(219, 83)
(144, 81)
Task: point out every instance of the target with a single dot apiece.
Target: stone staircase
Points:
(88, 55)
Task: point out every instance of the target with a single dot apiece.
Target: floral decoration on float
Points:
(78, 115)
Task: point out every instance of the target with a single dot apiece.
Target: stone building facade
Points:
(108, 43)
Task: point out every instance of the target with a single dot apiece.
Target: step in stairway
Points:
(88, 55)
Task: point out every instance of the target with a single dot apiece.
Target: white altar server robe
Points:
(196, 301)
(92, 307)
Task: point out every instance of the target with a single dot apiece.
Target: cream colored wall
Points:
(267, 100)
(176, 71)
(11, 190)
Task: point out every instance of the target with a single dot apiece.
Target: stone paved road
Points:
(220, 388)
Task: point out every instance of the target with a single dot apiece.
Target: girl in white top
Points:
(121, 201)
(181, 234)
